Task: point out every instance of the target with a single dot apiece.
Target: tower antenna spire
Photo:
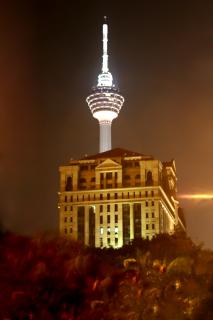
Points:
(105, 46)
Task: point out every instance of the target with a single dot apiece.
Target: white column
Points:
(105, 136)
(131, 222)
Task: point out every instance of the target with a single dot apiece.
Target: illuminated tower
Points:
(105, 102)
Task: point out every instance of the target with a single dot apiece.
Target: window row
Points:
(151, 226)
(148, 215)
(115, 231)
(68, 219)
(108, 242)
(109, 219)
(109, 196)
(67, 230)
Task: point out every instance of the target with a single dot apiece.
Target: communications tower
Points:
(105, 102)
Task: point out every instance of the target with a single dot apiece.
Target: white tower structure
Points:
(105, 102)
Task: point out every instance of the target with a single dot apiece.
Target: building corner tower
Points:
(105, 102)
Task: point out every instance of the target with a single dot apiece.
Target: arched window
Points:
(149, 180)
(68, 186)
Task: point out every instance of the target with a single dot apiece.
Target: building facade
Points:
(115, 196)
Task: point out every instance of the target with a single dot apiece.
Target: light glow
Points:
(199, 196)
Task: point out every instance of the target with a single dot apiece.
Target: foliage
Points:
(53, 278)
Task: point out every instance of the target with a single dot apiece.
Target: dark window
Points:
(65, 230)
(109, 186)
(127, 177)
(93, 179)
(108, 196)
(102, 186)
(108, 208)
(146, 194)
(65, 199)
(68, 186)
(83, 168)
(153, 203)
(147, 227)
(70, 219)
(102, 176)
(128, 195)
(82, 180)
(152, 193)
(65, 208)
(147, 215)
(70, 230)
(126, 223)
(88, 197)
(149, 180)
(116, 196)
(83, 198)
(65, 219)
(108, 219)
(101, 208)
(71, 198)
(70, 208)
(80, 223)
(116, 218)
(116, 241)
(147, 204)
(153, 214)
(101, 219)
(108, 241)
(137, 219)
(101, 242)
(137, 164)
(134, 194)
(139, 194)
(101, 196)
(116, 175)
(153, 226)
(109, 175)
(137, 176)
(91, 226)
(116, 207)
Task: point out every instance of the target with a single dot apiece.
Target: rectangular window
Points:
(146, 194)
(116, 207)
(116, 230)
(153, 214)
(65, 230)
(116, 195)
(65, 199)
(147, 227)
(101, 230)
(71, 219)
(116, 175)
(137, 219)
(116, 241)
(126, 223)
(101, 242)
(108, 219)
(109, 175)
(70, 230)
(101, 208)
(108, 208)
(116, 218)
(153, 226)
(70, 208)
(101, 196)
(65, 208)
(102, 176)
(108, 241)
(65, 219)
(152, 193)
(147, 204)
(71, 198)
(108, 231)
(153, 203)
(147, 215)
(109, 186)
(101, 219)
(108, 196)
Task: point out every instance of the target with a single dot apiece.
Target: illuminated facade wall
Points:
(116, 196)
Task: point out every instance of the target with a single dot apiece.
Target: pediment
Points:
(108, 164)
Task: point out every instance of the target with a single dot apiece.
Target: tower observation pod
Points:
(105, 102)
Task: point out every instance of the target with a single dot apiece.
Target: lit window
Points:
(108, 231)
(116, 230)
(101, 230)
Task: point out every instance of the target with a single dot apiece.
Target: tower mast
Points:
(105, 102)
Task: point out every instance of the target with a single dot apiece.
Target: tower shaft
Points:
(105, 136)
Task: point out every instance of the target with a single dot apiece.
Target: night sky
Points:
(161, 57)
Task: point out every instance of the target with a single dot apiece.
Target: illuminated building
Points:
(116, 195)
(105, 102)
(113, 197)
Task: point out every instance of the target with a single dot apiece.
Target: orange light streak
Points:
(201, 196)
